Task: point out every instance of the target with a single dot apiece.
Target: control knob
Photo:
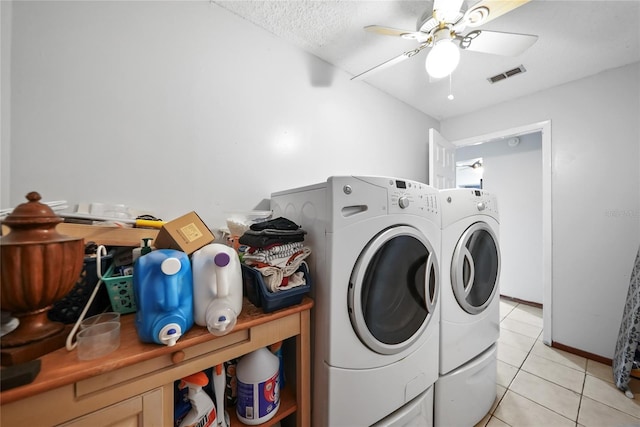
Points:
(481, 206)
(403, 202)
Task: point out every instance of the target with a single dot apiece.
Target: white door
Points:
(442, 161)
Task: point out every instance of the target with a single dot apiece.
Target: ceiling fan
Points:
(477, 164)
(442, 27)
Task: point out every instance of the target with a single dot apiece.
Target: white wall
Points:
(514, 175)
(5, 100)
(595, 203)
(172, 107)
(179, 106)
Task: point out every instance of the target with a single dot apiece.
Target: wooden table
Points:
(134, 384)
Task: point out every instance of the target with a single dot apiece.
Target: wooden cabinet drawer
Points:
(143, 410)
(134, 372)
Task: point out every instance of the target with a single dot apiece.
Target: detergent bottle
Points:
(219, 384)
(258, 387)
(217, 287)
(163, 292)
(203, 411)
(143, 249)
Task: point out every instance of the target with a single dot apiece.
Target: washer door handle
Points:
(478, 243)
(466, 255)
(430, 300)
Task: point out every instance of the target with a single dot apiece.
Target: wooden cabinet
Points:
(140, 410)
(133, 386)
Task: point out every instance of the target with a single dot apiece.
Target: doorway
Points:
(469, 171)
(511, 169)
(545, 129)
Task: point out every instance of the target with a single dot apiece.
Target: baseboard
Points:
(582, 353)
(563, 347)
(521, 301)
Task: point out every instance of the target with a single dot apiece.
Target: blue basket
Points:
(255, 289)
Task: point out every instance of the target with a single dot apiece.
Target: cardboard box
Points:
(187, 234)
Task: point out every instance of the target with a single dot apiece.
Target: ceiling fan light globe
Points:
(442, 59)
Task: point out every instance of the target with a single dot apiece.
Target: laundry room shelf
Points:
(136, 382)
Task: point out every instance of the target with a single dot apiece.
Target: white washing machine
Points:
(470, 307)
(375, 248)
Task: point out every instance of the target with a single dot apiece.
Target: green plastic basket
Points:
(120, 290)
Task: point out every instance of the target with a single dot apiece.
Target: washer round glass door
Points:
(393, 290)
(475, 268)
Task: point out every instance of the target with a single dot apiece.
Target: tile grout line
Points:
(584, 372)
(584, 382)
(529, 353)
(554, 383)
(548, 409)
(510, 382)
(520, 367)
(603, 403)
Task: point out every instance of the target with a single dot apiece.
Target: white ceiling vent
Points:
(506, 74)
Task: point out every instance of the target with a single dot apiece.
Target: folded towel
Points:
(273, 276)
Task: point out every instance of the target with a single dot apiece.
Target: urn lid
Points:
(33, 221)
(32, 212)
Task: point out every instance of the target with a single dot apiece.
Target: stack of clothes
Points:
(276, 249)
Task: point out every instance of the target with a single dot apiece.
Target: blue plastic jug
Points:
(163, 291)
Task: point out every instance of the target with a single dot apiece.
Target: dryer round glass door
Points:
(475, 268)
(393, 290)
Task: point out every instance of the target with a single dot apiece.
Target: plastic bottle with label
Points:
(219, 382)
(203, 411)
(258, 387)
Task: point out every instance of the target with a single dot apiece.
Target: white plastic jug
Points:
(217, 287)
(258, 387)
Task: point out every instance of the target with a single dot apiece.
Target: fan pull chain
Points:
(450, 97)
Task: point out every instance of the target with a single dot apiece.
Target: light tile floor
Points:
(539, 385)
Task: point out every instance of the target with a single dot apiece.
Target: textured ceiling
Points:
(576, 39)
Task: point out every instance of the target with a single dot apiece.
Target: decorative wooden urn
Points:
(39, 267)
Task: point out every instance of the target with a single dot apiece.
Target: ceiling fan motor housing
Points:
(443, 34)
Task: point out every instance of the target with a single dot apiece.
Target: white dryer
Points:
(470, 307)
(375, 246)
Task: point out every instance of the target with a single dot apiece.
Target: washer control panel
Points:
(485, 201)
(468, 201)
(412, 197)
(355, 198)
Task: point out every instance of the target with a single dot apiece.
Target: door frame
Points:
(544, 128)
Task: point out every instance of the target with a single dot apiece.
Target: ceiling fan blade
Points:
(390, 62)
(497, 43)
(388, 31)
(447, 10)
(488, 10)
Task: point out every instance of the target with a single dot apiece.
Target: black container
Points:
(68, 309)
(256, 291)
